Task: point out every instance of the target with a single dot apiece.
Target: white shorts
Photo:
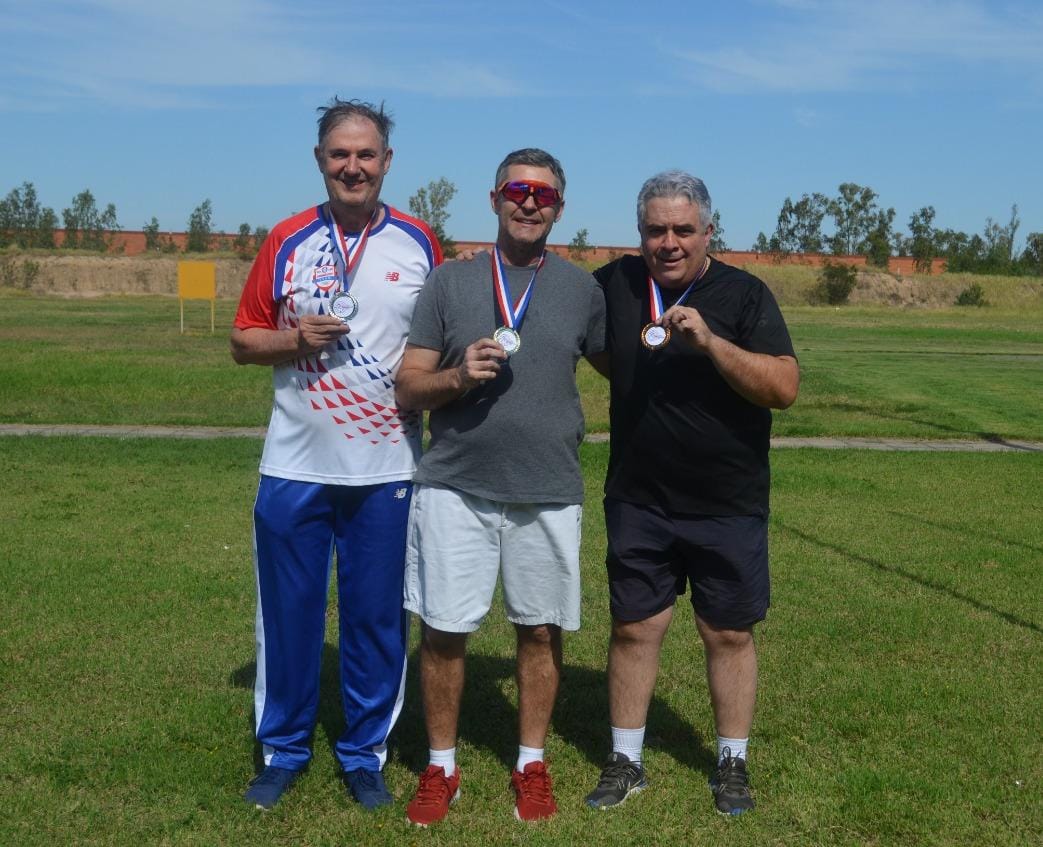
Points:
(458, 543)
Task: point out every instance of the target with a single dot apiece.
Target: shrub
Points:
(836, 282)
(972, 295)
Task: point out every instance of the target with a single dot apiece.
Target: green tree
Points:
(717, 243)
(877, 244)
(23, 221)
(431, 205)
(761, 245)
(579, 246)
(1031, 260)
(923, 243)
(243, 242)
(260, 234)
(799, 226)
(85, 226)
(200, 228)
(854, 214)
(151, 231)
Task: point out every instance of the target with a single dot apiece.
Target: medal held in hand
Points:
(508, 336)
(344, 306)
(654, 336)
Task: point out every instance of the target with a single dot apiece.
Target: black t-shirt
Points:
(682, 439)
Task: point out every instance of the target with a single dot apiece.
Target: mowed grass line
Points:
(900, 702)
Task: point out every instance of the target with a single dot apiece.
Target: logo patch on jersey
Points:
(391, 276)
(400, 493)
(325, 276)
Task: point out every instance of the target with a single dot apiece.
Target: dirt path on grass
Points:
(779, 443)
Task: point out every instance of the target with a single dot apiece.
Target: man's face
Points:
(526, 223)
(353, 161)
(673, 240)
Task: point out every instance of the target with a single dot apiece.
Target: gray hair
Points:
(534, 157)
(338, 111)
(675, 184)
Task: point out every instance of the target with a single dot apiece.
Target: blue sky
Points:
(156, 106)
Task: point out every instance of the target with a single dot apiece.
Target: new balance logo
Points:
(391, 276)
(400, 493)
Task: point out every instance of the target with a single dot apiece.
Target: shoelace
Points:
(433, 789)
(536, 784)
(617, 775)
(270, 776)
(731, 775)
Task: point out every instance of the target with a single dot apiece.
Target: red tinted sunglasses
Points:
(518, 191)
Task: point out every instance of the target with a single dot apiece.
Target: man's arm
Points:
(761, 378)
(421, 385)
(260, 346)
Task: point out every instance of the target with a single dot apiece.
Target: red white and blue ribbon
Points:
(513, 313)
(350, 257)
(655, 296)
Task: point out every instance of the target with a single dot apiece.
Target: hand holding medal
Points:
(481, 363)
(656, 334)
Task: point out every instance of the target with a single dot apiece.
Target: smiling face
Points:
(524, 227)
(353, 161)
(674, 240)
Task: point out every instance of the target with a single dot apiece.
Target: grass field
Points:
(924, 373)
(901, 699)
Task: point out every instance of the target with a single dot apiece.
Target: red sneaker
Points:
(532, 791)
(434, 796)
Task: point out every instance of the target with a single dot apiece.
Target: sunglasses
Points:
(518, 191)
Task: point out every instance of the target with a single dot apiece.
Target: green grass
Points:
(924, 373)
(900, 702)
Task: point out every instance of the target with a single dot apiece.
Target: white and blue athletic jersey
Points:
(334, 418)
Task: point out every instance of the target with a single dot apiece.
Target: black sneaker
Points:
(619, 779)
(731, 786)
(269, 785)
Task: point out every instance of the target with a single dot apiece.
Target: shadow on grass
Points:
(977, 533)
(989, 437)
(912, 577)
(489, 716)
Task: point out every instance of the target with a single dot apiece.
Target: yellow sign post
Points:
(196, 281)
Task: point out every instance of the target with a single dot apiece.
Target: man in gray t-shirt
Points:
(492, 352)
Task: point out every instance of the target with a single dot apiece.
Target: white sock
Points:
(445, 759)
(628, 742)
(527, 755)
(736, 746)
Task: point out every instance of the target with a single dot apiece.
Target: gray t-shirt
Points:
(513, 439)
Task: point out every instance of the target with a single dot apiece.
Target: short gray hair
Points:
(675, 184)
(534, 157)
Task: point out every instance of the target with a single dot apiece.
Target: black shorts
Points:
(652, 554)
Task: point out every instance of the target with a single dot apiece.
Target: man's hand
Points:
(690, 324)
(316, 331)
(481, 363)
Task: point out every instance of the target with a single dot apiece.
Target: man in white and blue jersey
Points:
(328, 304)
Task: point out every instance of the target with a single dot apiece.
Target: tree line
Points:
(26, 223)
(861, 227)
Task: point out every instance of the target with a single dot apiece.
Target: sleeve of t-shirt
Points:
(428, 326)
(595, 337)
(762, 328)
(257, 305)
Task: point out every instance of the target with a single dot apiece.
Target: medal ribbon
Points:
(512, 315)
(655, 296)
(350, 258)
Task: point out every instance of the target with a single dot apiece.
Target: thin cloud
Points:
(830, 45)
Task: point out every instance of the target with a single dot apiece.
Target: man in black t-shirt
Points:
(697, 354)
